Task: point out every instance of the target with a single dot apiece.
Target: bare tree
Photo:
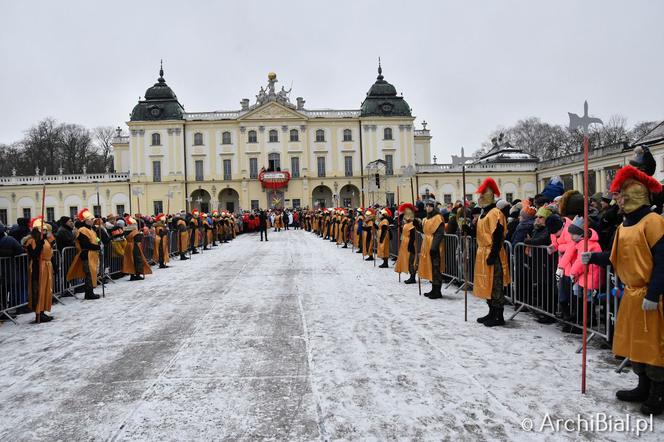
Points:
(640, 130)
(76, 148)
(102, 138)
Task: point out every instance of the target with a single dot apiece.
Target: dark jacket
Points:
(9, 247)
(21, 230)
(64, 237)
(522, 231)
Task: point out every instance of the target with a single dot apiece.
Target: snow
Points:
(293, 339)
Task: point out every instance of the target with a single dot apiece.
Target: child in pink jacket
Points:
(577, 267)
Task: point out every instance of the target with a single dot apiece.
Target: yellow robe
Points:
(76, 268)
(183, 236)
(383, 246)
(483, 279)
(429, 226)
(403, 257)
(128, 266)
(44, 297)
(367, 229)
(158, 242)
(639, 335)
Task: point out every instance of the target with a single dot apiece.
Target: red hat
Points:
(489, 183)
(370, 212)
(38, 223)
(631, 172)
(386, 211)
(84, 214)
(195, 212)
(160, 217)
(402, 208)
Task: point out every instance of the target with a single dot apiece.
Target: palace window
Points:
(226, 138)
(274, 161)
(198, 165)
(50, 214)
(295, 167)
(156, 171)
(387, 133)
(254, 205)
(227, 170)
(96, 211)
(156, 139)
(389, 197)
(251, 137)
(253, 168)
(296, 203)
(3, 216)
(321, 166)
(73, 211)
(274, 136)
(389, 165)
(447, 198)
(198, 139)
(320, 136)
(119, 209)
(509, 197)
(348, 135)
(348, 166)
(294, 135)
(158, 207)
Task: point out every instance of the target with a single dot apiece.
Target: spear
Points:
(43, 207)
(464, 254)
(103, 272)
(583, 123)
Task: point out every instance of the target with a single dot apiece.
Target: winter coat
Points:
(551, 190)
(20, 230)
(64, 237)
(566, 250)
(595, 272)
(562, 242)
(522, 231)
(9, 247)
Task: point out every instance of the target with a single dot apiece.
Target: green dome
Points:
(160, 103)
(382, 100)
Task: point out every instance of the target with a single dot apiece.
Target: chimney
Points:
(300, 103)
(245, 104)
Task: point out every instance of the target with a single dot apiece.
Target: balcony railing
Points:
(64, 179)
(450, 168)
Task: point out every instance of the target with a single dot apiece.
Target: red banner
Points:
(274, 180)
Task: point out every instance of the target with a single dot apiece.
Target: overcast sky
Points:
(466, 67)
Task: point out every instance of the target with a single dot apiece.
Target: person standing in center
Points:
(406, 257)
(161, 246)
(85, 263)
(368, 234)
(134, 262)
(432, 254)
(491, 266)
(262, 219)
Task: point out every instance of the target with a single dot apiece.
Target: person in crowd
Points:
(609, 220)
(39, 246)
(637, 255)
(183, 235)
(553, 189)
(134, 262)
(385, 235)
(407, 247)
(525, 223)
(368, 233)
(357, 230)
(194, 231)
(86, 262)
(161, 246)
(263, 227)
(20, 230)
(64, 236)
(491, 265)
(432, 252)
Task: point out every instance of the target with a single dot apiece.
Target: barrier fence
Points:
(14, 272)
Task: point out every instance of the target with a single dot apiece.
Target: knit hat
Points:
(63, 220)
(528, 212)
(543, 212)
(576, 228)
(554, 224)
(501, 204)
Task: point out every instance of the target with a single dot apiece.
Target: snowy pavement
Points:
(293, 339)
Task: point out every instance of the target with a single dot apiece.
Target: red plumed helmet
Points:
(35, 222)
(631, 172)
(402, 208)
(386, 211)
(84, 214)
(489, 183)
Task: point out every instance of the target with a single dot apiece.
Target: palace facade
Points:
(276, 152)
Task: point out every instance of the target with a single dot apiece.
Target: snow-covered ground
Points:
(293, 339)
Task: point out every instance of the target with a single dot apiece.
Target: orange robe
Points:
(43, 298)
(639, 334)
(483, 279)
(367, 229)
(429, 226)
(384, 245)
(128, 266)
(403, 258)
(76, 268)
(183, 236)
(158, 242)
(356, 238)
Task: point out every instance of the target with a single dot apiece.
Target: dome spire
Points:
(380, 70)
(161, 71)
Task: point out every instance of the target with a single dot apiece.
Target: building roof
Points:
(160, 103)
(382, 100)
(504, 152)
(654, 136)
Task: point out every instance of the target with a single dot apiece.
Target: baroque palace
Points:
(278, 153)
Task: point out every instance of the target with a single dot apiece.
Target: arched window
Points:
(320, 136)
(387, 133)
(294, 135)
(226, 138)
(198, 139)
(274, 136)
(274, 161)
(252, 137)
(348, 135)
(156, 139)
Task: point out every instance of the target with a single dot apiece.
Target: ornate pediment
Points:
(272, 111)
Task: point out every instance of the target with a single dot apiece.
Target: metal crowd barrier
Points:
(13, 284)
